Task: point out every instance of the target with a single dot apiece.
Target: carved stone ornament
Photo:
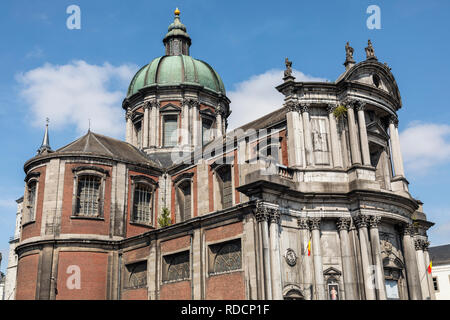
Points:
(361, 221)
(370, 52)
(343, 223)
(374, 221)
(303, 223)
(314, 223)
(155, 104)
(360, 105)
(288, 71)
(274, 215)
(290, 257)
(331, 107)
(291, 106)
(394, 121)
(261, 212)
(304, 107)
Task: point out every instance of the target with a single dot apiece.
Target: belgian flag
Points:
(430, 267)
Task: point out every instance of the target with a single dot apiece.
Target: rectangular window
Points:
(392, 289)
(88, 196)
(206, 131)
(142, 203)
(176, 267)
(136, 275)
(184, 200)
(138, 127)
(225, 186)
(436, 284)
(170, 131)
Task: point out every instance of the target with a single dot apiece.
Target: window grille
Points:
(137, 275)
(142, 205)
(88, 196)
(228, 256)
(177, 266)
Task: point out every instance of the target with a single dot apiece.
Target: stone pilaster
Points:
(343, 225)
(429, 276)
(374, 221)
(129, 129)
(335, 146)
(277, 286)
(354, 147)
(419, 246)
(295, 134)
(262, 217)
(361, 222)
(306, 262)
(317, 257)
(395, 145)
(307, 135)
(363, 134)
(412, 273)
(219, 120)
(146, 125)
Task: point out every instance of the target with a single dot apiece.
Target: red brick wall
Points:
(284, 150)
(228, 286)
(34, 229)
(27, 277)
(133, 229)
(136, 254)
(224, 232)
(138, 294)
(175, 244)
(176, 291)
(93, 272)
(84, 226)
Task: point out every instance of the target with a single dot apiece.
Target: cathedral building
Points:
(308, 202)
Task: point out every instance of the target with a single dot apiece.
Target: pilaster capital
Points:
(275, 215)
(220, 110)
(393, 120)
(190, 102)
(361, 221)
(314, 223)
(407, 229)
(292, 106)
(303, 223)
(331, 107)
(261, 213)
(343, 223)
(418, 244)
(128, 114)
(425, 245)
(349, 103)
(374, 221)
(154, 104)
(147, 105)
(360, 105)
(304, 107)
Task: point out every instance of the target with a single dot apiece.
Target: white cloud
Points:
(73, 93)
(8, 204)
(257, 96)
(425, 145)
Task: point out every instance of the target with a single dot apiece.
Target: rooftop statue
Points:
(370, 53)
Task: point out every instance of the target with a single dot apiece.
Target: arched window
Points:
(88, 196)
(142, 203)
(184, 200)
(226, 256)
(225, 186)
(176, 266)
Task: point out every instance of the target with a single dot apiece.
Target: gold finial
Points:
(177, 12)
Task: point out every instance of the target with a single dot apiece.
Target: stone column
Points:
(294, 135)
(157, 122)
(317, 257)
(363, 134)
(412, 273)
(219, 125)
(129, 131)
(277, 286)
(185, 122)
(195, 124)
(376, 256)
(429, 276)
(354, 148)
(307, 135)
(335, 147)
(306, 263)
(262, 217)
(146, 126)
(395, 146)
(419, 245)
(343, 225)
(361, 224)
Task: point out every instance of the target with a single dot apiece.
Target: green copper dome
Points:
(176, 70)
(177, 67)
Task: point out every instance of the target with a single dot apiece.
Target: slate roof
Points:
(440, 255)
(99, 145)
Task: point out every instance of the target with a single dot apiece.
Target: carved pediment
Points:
(170, 107)
(376, 128)
(332, 272)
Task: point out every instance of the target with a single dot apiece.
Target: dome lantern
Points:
(177, 40)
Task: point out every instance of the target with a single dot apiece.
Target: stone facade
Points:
(309, 202)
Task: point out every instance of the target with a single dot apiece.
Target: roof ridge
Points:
(106, 148)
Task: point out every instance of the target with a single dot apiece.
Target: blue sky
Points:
(73, 75)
